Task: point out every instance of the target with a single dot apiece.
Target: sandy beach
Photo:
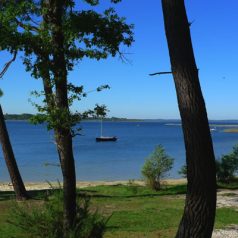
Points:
(6, 186)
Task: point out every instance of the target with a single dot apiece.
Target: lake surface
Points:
(36, 155)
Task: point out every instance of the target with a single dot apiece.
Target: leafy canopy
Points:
(25, 26)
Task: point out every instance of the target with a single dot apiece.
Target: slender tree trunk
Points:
(64, 143)
(200, 206)
(63, 132)
(63, 140)
(11, 163)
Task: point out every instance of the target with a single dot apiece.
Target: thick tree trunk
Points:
(11, 163)
(200, 206)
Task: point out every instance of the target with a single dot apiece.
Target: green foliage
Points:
(100, 110)
(227, 167)
(96, 2)
(86, 33)
(134, 190)
(56, 118)
(183, 171)
(27, 27)
(46, 221)
(232, 185)
(156, 167)
(145, 214)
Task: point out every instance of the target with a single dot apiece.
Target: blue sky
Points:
(133, 93)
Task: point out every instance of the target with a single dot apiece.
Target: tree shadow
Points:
(6, 195)
(133, 191)
(33, 194)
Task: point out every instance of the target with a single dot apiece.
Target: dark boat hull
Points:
(105, 139)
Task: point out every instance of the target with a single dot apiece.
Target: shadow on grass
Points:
(136, 191)
(132, 191)
(6, 195)
(231, 184)
(117, 191)
(33, 194)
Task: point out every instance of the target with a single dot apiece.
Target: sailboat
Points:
(213, 129)
(105, 138)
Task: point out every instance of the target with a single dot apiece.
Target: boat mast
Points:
(101, 126)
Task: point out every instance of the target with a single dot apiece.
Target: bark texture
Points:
(200, 205)
(62, 132)
(10, 160)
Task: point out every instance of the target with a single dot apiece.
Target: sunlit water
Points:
(36, 155)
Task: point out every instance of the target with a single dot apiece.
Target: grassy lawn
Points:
(232, 185)
(135, 211)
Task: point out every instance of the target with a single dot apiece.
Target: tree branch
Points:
(7, 65)
(123, 58)
(35, 22)
(26, 27)
(159, 73)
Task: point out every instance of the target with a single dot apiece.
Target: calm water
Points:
(34, 148)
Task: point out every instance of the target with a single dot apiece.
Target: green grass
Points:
(233, 184)
(132, 191)
(225, 217)
(6, 231)
(136, 211)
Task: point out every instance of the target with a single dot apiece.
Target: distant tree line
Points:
(24, 116)
(28, 116)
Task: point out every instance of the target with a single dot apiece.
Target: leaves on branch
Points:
(27, 27)
(101, 110)
(96, 2)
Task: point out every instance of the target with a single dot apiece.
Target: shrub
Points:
(183, 171)
(46, 221)
(227, 167)
(156, 167)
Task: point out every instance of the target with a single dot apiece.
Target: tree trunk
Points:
(200, 205)
(11, 163)
(64, 144)
(63, 132)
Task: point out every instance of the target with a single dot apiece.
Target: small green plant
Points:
(227, 167)
(132, 186)
(183, 171)
(46, 220)
(156, 167)
(131, 182)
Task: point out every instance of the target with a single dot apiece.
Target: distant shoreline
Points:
(231, 130)
(27, 116)
(137, 120)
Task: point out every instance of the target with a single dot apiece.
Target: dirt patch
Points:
(229, 232)
(227, 198)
